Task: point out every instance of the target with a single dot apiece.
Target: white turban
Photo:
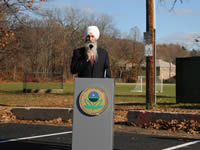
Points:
(94, 30)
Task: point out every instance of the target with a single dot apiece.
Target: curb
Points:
(137, 116)
(145, 117)
(42, 113)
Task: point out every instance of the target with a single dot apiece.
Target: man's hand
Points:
(90, 55)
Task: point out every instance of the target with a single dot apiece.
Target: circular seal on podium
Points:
(93, 101)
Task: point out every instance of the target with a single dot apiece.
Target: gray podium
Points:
(93, 114)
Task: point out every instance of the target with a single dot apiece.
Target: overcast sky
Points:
(178, 26)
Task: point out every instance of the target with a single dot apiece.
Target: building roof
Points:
(163, 64)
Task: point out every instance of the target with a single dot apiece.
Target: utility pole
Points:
(150, 59)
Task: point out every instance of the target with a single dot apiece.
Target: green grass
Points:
(168, 95)
(43, 85)
(11, 94)
(18, 87)
(123, 94)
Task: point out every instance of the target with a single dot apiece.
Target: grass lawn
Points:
(11, 94)
(123, 94)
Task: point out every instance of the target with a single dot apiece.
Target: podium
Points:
(93, 114)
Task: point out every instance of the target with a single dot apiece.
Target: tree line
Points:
(45, 42)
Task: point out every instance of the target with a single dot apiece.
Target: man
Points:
(90, 61)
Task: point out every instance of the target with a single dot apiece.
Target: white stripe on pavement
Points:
(182, 145)
(34, 137)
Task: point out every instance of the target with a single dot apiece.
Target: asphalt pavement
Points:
(51, 137)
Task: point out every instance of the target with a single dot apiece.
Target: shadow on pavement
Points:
(35, 145)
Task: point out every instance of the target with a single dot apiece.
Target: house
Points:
(164, 70)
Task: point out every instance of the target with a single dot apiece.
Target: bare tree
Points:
(174, 2)
(11, 12)
(197, 41)
(170, 52)
(135, 52)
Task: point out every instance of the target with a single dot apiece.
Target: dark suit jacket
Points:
(80, 66)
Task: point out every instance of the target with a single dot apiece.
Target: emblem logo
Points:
(93, 101)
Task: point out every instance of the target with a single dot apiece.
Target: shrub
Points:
(132, 79)
(170, 80)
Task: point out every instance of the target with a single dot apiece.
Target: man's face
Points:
(90, 38)
(91, 45)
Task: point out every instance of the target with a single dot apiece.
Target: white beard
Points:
(92, 46)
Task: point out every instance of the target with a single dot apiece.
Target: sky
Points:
(179, 26)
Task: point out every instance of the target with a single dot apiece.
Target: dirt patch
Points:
(6, 115)
(121, 123)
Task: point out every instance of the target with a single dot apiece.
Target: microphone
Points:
(91, 46)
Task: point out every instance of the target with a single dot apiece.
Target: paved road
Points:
(46, 137)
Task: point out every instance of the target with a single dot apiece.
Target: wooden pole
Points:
(150, 68)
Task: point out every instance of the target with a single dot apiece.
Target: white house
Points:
(164, 70)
